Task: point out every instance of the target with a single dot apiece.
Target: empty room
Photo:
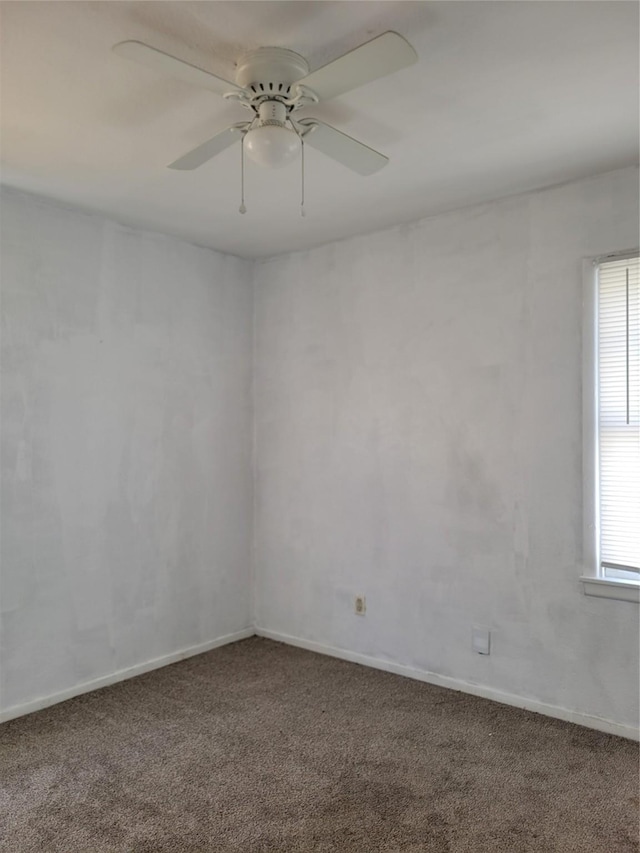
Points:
(320, 520)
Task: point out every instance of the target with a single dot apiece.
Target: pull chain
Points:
(242, 207)
(302, 210)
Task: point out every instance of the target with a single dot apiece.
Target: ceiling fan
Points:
(273, 83)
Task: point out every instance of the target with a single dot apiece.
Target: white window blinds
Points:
(619, 416)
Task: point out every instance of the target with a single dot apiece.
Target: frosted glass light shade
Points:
(272, 146)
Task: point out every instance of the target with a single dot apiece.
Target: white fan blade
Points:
(376, 58)
(345, 149)
(207, 150)
(160, 61)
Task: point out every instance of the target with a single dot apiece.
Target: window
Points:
(614, 426)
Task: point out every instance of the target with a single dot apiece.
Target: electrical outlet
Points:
(481, 640)
(360, 605)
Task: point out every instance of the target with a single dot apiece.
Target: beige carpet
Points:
(262, 747)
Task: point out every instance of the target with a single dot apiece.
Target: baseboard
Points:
(121, 675)
(587, 720)
(598, 723)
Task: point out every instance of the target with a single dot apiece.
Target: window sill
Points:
(609, 588)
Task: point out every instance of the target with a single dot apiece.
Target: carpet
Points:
(260, 747)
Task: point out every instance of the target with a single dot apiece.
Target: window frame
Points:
(594, 581)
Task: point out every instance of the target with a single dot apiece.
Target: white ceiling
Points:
(506, 97)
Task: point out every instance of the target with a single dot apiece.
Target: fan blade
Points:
(160, 61)
(207, 150)
(345, 149)
(376, 58)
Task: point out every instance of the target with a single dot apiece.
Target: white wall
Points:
(418, 424)
(418, 418)
(126, 454)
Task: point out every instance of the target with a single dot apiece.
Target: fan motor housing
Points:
(270, 70)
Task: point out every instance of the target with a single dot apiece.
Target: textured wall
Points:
(418, 425)
(126, 455)
(419, 441)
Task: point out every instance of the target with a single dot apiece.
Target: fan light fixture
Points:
(271, 143)
(272, 147)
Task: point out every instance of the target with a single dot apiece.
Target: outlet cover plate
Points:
(481, 640)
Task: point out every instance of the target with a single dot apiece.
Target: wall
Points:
(126, 454)
(418, 421)
(418, 427)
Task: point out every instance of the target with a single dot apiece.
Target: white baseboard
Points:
(121, 675)
(482, 690)
(598, 723)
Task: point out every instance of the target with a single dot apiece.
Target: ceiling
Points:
(505, 97)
